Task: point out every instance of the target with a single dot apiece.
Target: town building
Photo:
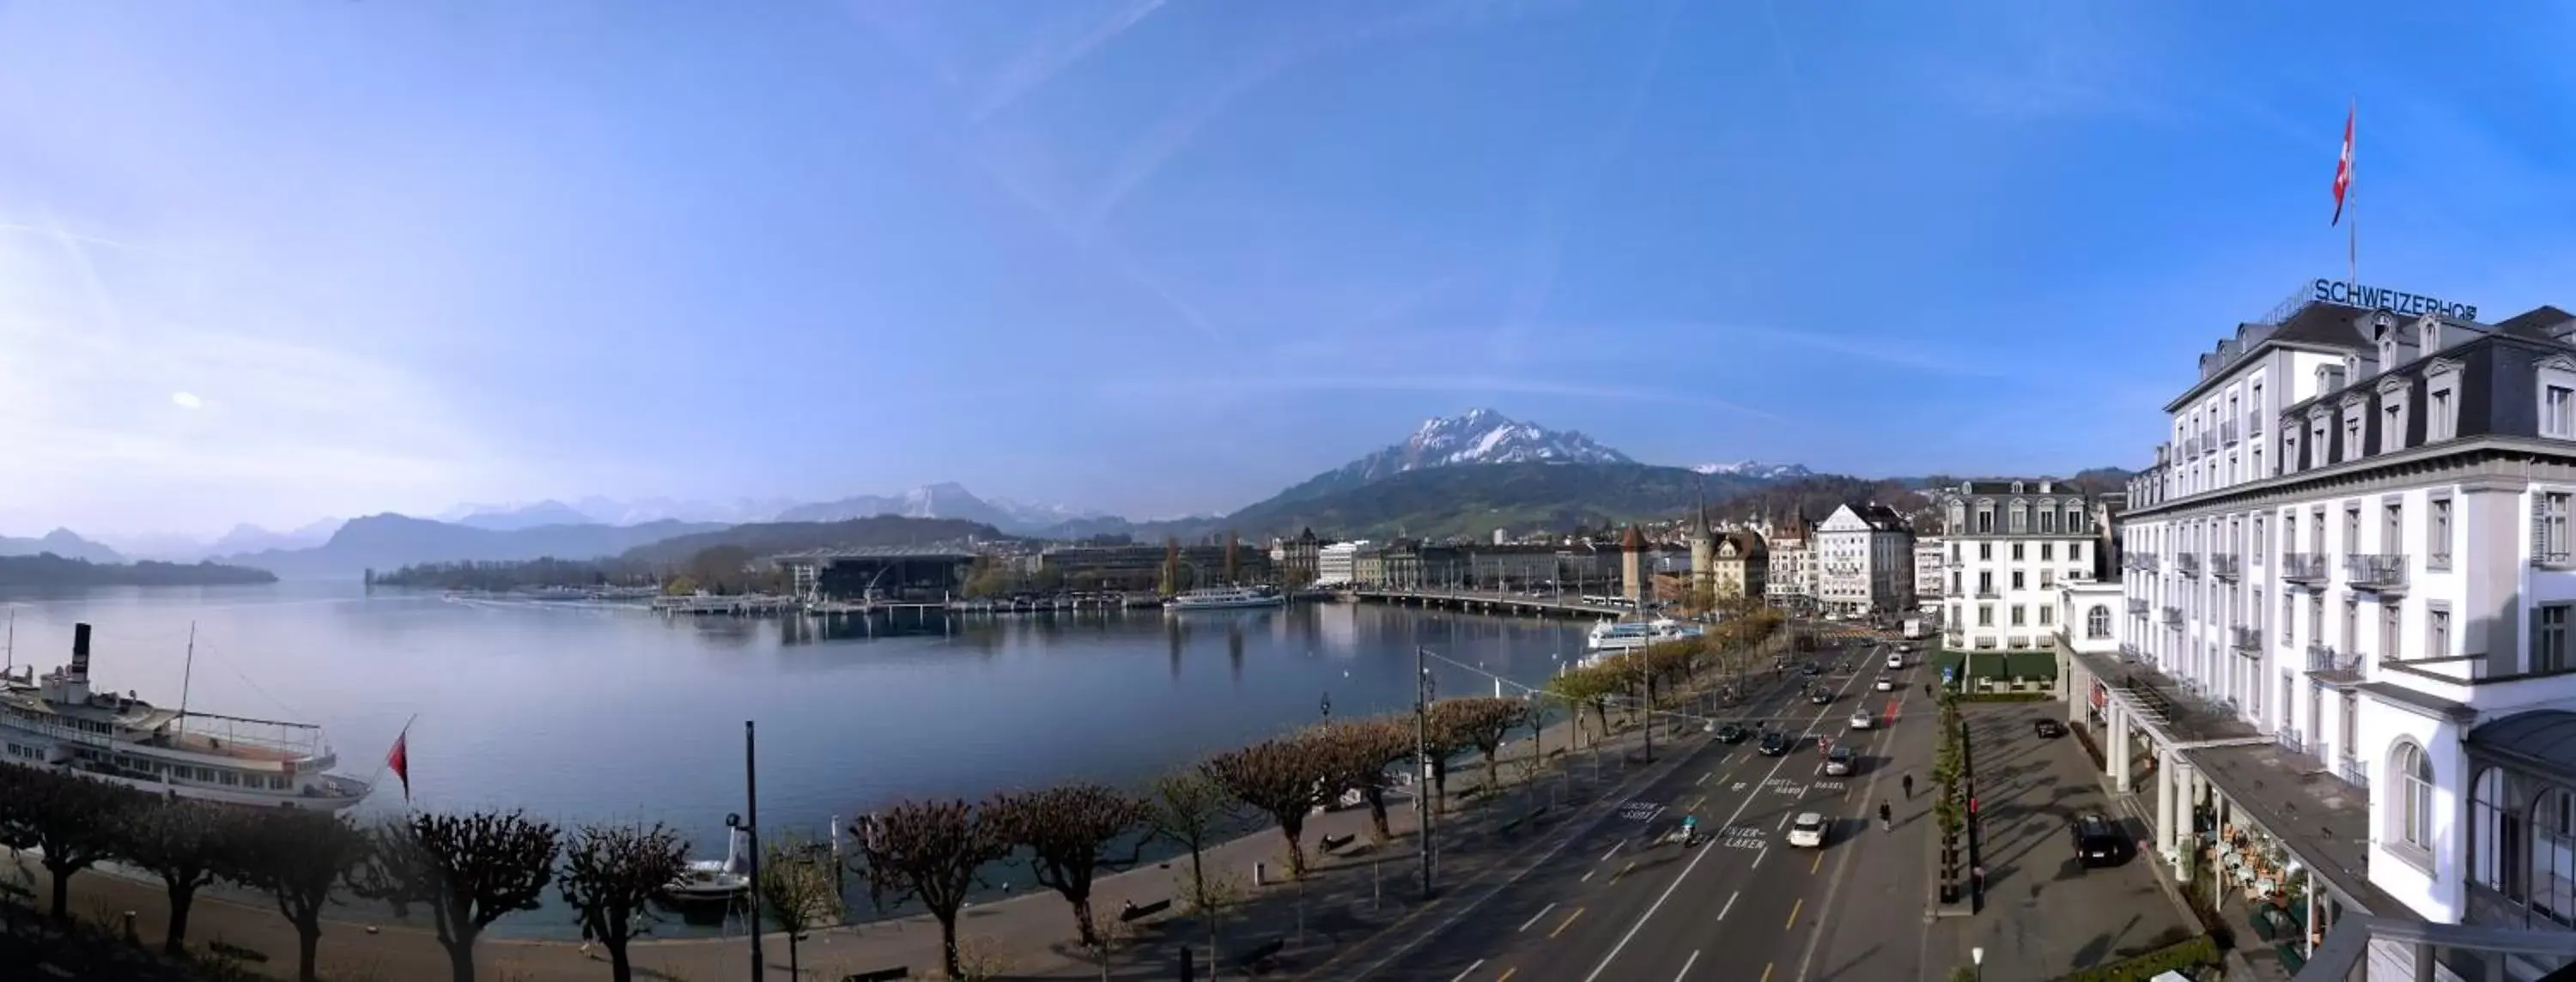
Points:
(1334, 563)
(1299, 560)
(2009, 544)
(1739, 567)
(2344, 663)
(1864, 562)
(1931, 571)
(1792, 582)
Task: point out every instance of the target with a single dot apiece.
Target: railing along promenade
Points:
(1495, 600)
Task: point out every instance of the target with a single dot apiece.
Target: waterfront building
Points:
(2009, 545)
(1298, 560)
(1739, 567)
(2344, 660)
(1792, 582)
(905, 574)
(1864, 561)
(1334, 563)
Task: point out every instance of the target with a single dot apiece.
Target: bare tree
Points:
(931, 851)
(468, 869)
(1071, 834)
(610, 875)
(1363, 749)
(797, 892)
(1284, 778)
(1485, 723)
(1191, 810)
(72, 820)
(188, 843)
(298, 857)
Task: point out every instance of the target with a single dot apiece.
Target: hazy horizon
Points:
(1151, 258)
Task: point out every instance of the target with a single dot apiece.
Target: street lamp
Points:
(1977, 957)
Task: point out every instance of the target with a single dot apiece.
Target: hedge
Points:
(2195, 953)
(2007, 696)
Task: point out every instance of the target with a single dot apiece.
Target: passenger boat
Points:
(708, 881)
(57, 722)
(1632, 635)
(1224, 598)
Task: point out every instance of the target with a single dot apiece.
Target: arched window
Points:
(2097, 624)
(2496, 836)
(2553, 855)
(2412, 779)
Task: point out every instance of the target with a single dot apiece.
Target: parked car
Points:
(2048, 729)
(1774, 743)
(2098, 842)
(1730, 733)
(1808, 831)
(1838, 762)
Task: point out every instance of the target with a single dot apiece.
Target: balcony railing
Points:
(2173, 617)
(2129, 651)
(1987, 593)
(2253, 426)
(2332, 665)
(2137, 606)
(2145, 561)
(2248, 638)
(2226, 565)
(2227, 431)
(2382, 571)
(2352, 773)
(2187, 563)
(2303, 566)
(2550, 557)
(2290, 740)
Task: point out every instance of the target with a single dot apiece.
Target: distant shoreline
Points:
(46, 569)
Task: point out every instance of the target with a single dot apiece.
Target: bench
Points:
(1261, 954)
(1134, 912)
(880, 975)
(1332, 842)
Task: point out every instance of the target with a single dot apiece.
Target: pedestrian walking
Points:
(1886, 819)
(1909, 787)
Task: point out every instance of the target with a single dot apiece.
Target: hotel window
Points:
(2351, 530)
(2020, 518)
(2351, 437)
(1985, 552)
(2262, 544)
(2392, 625)
(2351, 636)
(2414, 796)
(2016, 552)
(2320, 450)
(1954, 582)
(2549, 638)
(2075, 552)
(2392, 532)
(1985, 615)
(2437, 632)
(2045, 549)
(2016, 615)
(2287, 620)
(2016, 579)
(2255, 610)
(2047, 615)
(1985, 582)
(2097, 624)
(2392, 415)
(2553, 855)
(1954, 552)
(2549, 529)
(2437, 533)
(2558, 397)
(2047, 520)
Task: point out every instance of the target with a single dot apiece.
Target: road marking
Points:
(1696, 802)
(1623, 871)
(1784, 822)
(1757, 857)
(1507, 974)
(1614, 850)
(1766, 972)
(1818, 864)
(1542, 912)
(1730, 904)
(1703, 779)
(1676, 884)
(1587, 877)
(1471, 970)
(1569, 922)
(1793, 913)
(1686, 965)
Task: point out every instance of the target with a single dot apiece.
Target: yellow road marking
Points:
(1811, 868)
(1623, 871)
(1696, 802)
(1569, 922)
(1766, 972)
(1507, 974)
(1793, 922)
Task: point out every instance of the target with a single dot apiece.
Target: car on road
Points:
(1820, 695)
(1838, 762)
(1730, 733)
(2048, 729)
(1862, 720)
(1807, 831)
(2098, 842)
(1811, 669)
(1886, 684)
(1774, 743)
(1896, 659)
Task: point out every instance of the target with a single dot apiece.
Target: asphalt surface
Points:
(1743, 904)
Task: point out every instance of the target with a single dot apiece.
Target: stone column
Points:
(2079, 691)
(2168, 797)
(2115, 752)
(2490, 613)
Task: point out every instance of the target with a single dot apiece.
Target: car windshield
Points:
(1810, 823)
(1842, 753)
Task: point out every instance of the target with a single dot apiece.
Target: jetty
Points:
(1491, 601)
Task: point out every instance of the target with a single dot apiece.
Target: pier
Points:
(1484, 601)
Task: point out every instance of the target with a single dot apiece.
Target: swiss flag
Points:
(400, 761)
(2343, 168)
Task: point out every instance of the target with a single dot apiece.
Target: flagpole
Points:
(2352, 177)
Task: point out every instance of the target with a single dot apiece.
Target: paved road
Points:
(1743, 904)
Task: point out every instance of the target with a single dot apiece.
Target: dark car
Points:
(1811, 668)
(1730, 733)
(2048, 728)
(2098, 842)
(1820, 695)
(1774, 743)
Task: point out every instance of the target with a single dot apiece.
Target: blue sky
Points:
(270, 262)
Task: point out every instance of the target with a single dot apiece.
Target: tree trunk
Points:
(308, 939)
(1082, 921)
(174, 942)
(62, 889)
(1293, 828)
(795, 969)
(1378, 830)
(948, 944)
(460, 958)
(619, 969)
(1490, 766)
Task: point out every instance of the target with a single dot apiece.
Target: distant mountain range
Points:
(389, 541)
(60, 542)
(1758, 470)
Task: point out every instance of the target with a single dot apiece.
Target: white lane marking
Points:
(1784, 822)
(1542, 912)
(1757, 857)
(1471, 970)
(1703, 779)
(1833, 886)
(1614, 850)
(1730, 904)
(1686, 965)
(1695, 860)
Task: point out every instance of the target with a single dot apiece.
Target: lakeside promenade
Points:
(1350, 894)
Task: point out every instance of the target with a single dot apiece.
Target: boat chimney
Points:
(80, 652)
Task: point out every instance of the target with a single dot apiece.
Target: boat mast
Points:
(189, 672)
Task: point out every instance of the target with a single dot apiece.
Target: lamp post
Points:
(750, 829)
(1977, 958)
(1422, 752)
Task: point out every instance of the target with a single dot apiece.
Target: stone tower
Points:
(1632, 566)
(1703, 548)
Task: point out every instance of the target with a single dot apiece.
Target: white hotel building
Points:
(2344, 642)
(1864, 561)
(2009, 544)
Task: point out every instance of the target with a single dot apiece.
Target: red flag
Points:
(400, 760)
(2343, 169)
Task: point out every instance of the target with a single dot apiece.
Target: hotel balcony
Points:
(2457, 951)
(2248, 638)
(2144, 562)
(2226, 565)
(2173, 617)
(2253, 426)
(2328, 665)
(2129, 651)
(2352, 773)
(2187, 563)
(2137, 606)
(2227, 431)
(2304, 567)
(2383, 572)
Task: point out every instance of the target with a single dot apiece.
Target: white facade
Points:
(1864, 560)
(1929, 561)
(2011, 544)
(1792, 579)
(1334, 563)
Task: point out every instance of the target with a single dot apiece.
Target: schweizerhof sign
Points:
(2393, 301)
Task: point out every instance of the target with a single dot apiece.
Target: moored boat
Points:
(1224, 598)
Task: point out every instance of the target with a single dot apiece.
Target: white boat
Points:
(1633, 635)
(56, 722)
(712, 881)
(1224, 598)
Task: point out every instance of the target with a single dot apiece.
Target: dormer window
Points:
(2431, 335)
(2388, 351)
(2441, 400)
(2393, 409)
(2557, 385)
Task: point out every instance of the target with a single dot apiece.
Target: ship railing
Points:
(299, 739)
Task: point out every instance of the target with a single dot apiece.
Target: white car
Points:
(1863, 720)
(1886, 684)
(1807, 831)
(1896, 659)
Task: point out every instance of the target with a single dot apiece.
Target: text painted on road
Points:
(1741, 837)
(1782, 785)
(1829, 785)
(1639, 811)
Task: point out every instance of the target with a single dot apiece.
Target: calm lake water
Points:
(580, 712)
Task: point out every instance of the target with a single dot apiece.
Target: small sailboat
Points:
(709, 881)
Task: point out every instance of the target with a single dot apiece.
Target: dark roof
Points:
(2317, 325)
(2543, 739)
(2535, 322)
(1747, 544)
(1633, 540)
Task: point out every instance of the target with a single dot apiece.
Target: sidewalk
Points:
(1349, 895)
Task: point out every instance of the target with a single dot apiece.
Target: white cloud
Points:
(92, 339)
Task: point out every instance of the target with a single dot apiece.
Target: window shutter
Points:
(2532, 644)
(2539, 528)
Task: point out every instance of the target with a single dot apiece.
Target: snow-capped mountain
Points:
(946, 499)
(1478, 436)
(1758, 469)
